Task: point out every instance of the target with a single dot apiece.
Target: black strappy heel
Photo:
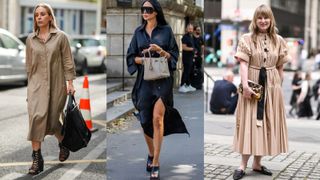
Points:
(149, 163)
(155, 173)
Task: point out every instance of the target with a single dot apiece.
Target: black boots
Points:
(37, 164)
(64, 153)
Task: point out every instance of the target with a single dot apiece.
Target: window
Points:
(90, 42)
(8, 42)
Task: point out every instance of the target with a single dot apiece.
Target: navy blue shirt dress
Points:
(146, 93)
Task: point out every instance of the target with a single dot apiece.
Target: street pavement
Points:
(301, 162)
(15, 150)
(181, 156)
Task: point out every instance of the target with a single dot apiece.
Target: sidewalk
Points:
(302, 161)
(181, 156)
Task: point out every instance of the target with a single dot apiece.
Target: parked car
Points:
(12, 59)
(79, 60)
(93, 48)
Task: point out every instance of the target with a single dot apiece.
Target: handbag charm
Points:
(155, 68)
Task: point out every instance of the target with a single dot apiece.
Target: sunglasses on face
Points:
(148, 10)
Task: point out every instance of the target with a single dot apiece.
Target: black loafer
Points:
(264, 171)
(238, 174)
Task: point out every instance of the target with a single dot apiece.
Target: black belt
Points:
(262, 81)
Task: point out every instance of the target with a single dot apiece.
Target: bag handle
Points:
(144, 57)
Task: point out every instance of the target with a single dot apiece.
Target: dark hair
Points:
(157, 7)
(296, 75)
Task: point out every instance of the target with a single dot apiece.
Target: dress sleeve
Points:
(68, 62)
(28, 56)
(132, 52)
(243, 50)
(173, 50)
(283, 53)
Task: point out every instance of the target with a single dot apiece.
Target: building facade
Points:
(73, 17)
(121, 23)
(226, 20)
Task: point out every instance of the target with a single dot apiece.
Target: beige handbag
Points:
(155, 68)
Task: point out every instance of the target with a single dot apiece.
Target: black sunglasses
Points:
(148, 10)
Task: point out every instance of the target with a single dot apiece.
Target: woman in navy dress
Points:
(154, 99)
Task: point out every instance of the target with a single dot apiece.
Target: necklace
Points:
(43, 37)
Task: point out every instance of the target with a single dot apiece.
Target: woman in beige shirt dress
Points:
(49, 65)
(261, 125)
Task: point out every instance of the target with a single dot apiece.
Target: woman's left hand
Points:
(154, 47)
(70, 88)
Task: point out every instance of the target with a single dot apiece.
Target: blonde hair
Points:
(49, 10)
(265, 11)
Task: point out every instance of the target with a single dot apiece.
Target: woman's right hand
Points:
(138, 60)
(248, 92)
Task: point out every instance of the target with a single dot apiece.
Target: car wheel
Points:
(103, 67)
(84, 69)
(25, 82)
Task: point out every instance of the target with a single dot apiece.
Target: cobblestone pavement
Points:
(298, 164)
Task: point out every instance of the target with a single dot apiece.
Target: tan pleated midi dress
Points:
(267, 136)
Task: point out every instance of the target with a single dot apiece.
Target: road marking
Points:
(79, 168)
(82, 161)
(12, 176)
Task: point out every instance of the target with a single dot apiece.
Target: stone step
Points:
(113, 86)
(117, 97)
(119, 110)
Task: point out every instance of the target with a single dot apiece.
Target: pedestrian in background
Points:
(188, 54)
(154, 99)
(317, 61)
(197, 74)
(304, 98)
(261, 125)
(296, 90)
(49, 65)
(224, 96)
(318, 106)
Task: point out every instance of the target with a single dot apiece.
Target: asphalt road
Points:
(181, 156)
(15, 150)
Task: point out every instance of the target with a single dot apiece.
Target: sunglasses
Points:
(148, 10)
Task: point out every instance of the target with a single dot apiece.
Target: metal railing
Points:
(207, 89)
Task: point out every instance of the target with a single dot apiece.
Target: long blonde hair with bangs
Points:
(49, 10)
(265, 11)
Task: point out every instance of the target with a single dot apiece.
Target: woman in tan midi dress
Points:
(49, 65)
(261, 125)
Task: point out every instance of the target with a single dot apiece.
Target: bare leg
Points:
(59, 136)
(158, 116)
(36, 145)
(149, 142)
(244, 161)
(256, 162)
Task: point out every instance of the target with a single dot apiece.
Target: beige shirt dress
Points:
(269, 135)
(49, 65)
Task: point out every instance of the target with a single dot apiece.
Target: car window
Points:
(103, 42)
(75, 41)
(8, 42)
(90, 42)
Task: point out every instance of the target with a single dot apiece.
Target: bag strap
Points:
(150, 67)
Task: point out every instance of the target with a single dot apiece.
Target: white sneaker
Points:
(191, 88)
(184, 89)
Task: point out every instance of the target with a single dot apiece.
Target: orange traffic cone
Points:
(85, 104)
